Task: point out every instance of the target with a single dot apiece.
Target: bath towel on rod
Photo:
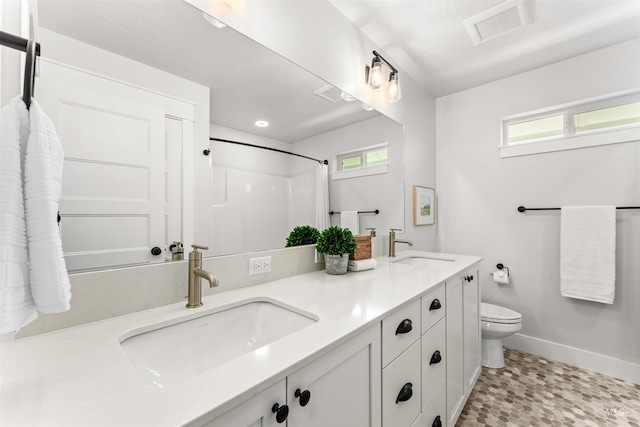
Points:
(588, 253)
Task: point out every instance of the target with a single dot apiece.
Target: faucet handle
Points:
(196, 247)
(395, 229)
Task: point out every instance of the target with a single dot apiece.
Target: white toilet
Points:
(497, 323)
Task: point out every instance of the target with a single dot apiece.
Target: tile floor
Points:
(532, 391)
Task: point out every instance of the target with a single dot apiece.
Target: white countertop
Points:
(81, 376)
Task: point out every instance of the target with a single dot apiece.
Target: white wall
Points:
(479, 194)
(383, 192)
(316, 36)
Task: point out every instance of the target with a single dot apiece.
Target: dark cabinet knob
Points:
(468, 278)
(435, 358)
(282, 412)
(435, 305)
(304, 396)
(404, 327)
(405, 393)
(156, 251)
(437, 422)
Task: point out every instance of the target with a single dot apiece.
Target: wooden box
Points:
(363, 251)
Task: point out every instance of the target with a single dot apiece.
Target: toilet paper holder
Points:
(501, 266)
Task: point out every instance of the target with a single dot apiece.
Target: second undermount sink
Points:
(179, 351)
(422, 260)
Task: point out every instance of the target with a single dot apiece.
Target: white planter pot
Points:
(336, 264)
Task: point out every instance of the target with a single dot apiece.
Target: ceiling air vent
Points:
(329, 92)
(499, 20)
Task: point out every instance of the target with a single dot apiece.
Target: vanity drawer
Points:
(436, 407)
(400, 380)
(399, 331)
(434, 365)
(433, 308)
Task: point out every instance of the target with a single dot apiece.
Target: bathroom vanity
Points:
(394, 346)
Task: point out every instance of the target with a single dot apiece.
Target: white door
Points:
(113, 188)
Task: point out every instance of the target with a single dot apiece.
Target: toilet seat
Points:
(497, 314)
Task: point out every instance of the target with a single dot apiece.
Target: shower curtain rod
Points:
(206, 152)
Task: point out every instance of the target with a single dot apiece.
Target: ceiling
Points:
(247, 81)
(427, 38)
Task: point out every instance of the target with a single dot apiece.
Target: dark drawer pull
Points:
(435, 305)
(404, 327)
(435, 358)
(437, 422)
(282, 412)
(304, 396)
(468, 278)
(405, 393)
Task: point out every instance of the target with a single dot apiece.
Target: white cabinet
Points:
(343, 386)
(257, 411)
(340, 388)
(471, 328)
(463, 341)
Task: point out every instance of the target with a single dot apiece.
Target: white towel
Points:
(50, 285)
(361, 265)
(588, 253)
(349, 219)
(16, 304)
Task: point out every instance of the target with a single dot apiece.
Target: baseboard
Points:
(606, 365)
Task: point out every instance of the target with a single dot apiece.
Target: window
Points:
(361, 162)
(606, 120)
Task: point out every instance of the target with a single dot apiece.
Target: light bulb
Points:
(375, 75)
(393, 90)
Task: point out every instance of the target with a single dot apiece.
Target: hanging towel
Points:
(50, 285)
(16, 304)
(588, 253)
(349, 219)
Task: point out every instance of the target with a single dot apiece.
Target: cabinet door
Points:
(471, 296)
(455, 349)
(255, 412)
(343, 386)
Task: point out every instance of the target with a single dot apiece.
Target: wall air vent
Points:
(499, 20)
(329, 93)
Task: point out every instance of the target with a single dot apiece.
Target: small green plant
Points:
(336, 241)
(303, 235)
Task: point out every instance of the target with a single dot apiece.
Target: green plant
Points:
(303, 235)
(336, 241)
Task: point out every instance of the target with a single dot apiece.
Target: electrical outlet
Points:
(259, 265)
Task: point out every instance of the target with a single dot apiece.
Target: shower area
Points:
(259, 194)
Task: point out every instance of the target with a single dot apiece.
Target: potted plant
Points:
(303, 235)
(336, 244)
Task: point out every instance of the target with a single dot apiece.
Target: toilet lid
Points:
(498, 314)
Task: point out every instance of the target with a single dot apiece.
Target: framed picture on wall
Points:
(424, 205)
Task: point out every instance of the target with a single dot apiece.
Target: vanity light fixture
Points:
(374, 77)
(261, 123)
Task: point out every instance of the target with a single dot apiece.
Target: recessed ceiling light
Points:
(261, 123)
(213, 21)
(366, 107)
(347, 97)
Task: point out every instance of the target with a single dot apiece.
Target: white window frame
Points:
(570, 140)
(365, 170)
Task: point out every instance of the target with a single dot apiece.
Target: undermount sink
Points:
(422, 260)
(173, 353)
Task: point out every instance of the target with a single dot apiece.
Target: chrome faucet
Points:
(196, 274)
(393, 241)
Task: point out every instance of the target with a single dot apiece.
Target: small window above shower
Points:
(371, 160)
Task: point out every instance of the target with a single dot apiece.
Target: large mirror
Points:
(256, 196)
